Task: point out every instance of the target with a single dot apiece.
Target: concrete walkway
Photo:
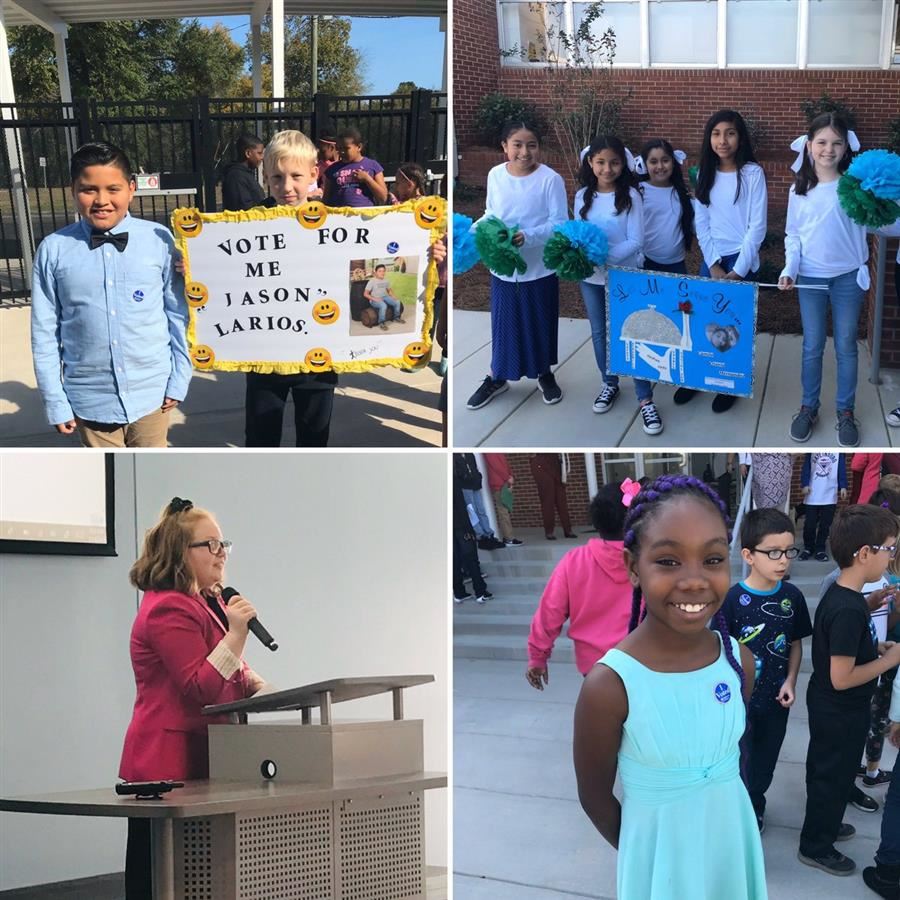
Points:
(520, 418)
(386, 408)
(519, 831)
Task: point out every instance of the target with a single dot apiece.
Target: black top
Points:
(766, 623)
(841, 628)
(240, 189)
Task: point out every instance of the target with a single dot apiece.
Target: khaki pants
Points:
(504, 520)
(148, 431)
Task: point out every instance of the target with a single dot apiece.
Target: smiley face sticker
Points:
(202, 356)
(415, 354)
(318, 359)
(312, 214)
(429, 212)
(326, 312)
(197, 294)
(187, 222)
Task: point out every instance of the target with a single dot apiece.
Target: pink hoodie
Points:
(590, 588)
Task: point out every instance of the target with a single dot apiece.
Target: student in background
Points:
(240, 186)
(823, 480)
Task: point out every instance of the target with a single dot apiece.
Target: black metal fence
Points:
(186, 142)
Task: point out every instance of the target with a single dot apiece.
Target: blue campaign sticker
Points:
(744, 599)
(723, 692)
(137, 296)
(393, 247)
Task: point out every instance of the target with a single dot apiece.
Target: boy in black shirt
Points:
(769, 617)
(846, 666)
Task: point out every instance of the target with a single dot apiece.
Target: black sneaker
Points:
(652, 423)
(833, 863)
(484, 595)
(848, 432)
(606, 398)
(893, 417)
(864, 803)
(882, 776)
(513, 542)
(549, 388)
(802, 425)
(889, 888)
(804, 555)
(723, 402)
(462, 599)
(845, 832)
(486, 392)
(822, 556)
(683, 395)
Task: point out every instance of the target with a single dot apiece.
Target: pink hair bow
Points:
(630, 489)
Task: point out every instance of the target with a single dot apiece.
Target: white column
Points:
(591, 469)
(62, 63)
(645, 34)
(256, 53)
(887, 33)
(803, 34)
(721, 34)
(18, 185)
(278, 48)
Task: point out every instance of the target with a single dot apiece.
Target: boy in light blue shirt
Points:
(108, 314)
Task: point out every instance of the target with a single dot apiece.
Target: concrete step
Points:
(484, 619)
(477, 646)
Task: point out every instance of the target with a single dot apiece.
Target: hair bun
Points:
(178, 505)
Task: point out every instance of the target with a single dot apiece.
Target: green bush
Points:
(826, 104)
(496, 109)
(894, 135)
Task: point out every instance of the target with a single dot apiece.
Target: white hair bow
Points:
(681, 156)
(584, 153)
(799, 147)
(640, 167)
(629, 159)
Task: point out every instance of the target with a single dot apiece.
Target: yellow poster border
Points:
(264, 213)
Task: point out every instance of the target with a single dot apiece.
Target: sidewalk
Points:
(385, 408)
(520, 418)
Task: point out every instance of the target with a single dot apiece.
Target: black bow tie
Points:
(119, 241)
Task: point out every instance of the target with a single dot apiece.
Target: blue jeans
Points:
(727, 263)
(846, 298)
(382, 305)
(594, 296)
(483, 528)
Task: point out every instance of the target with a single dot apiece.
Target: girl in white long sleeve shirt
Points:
(824, 247)
(730, 210)
(525, 194)
(610, 198)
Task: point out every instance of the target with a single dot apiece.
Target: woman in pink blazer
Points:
(186, 647)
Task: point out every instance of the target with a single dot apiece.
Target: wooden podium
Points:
(291, 811)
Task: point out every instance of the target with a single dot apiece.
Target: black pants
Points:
(765, 736)
(816, 525)
(266, 397)
(138, 861)
(465, 562)
(836, 740)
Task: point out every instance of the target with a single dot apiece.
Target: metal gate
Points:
(186, 142)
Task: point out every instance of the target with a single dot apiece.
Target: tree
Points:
(127, 60)
(341, 69)
(405, 87)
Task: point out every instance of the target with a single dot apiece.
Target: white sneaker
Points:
(893, 417)
(652, 423)
(606, 398)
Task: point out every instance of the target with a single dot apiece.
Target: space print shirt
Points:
(767, 623)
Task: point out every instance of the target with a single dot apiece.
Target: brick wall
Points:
(527, 509)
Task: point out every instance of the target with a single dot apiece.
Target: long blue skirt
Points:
(524, 327)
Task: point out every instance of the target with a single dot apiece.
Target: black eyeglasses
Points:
(214, 546)
(790, 553)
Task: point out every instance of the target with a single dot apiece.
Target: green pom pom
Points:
(567, 260)
(863, 207)
(493, 240)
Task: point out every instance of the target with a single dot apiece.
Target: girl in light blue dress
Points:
(666, 708)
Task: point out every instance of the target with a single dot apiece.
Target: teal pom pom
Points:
(493, 239)
(465, 253)
(878, 172)
(863, 207)
(574, 249)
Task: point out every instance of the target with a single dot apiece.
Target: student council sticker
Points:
(723, 692)
(137, 296)
(744, 599)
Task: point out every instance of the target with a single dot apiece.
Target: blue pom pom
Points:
(878, 172)
(588, 237)
(465, 254)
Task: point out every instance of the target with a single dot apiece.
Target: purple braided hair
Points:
(642, 507)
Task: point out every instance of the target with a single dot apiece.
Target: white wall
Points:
(345, 558)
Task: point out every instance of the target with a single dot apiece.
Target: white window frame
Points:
(889, 13)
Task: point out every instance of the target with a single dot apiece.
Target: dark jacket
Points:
(240, 189)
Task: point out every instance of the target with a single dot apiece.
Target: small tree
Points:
(585, 101)
(494, 110)
(827, 104)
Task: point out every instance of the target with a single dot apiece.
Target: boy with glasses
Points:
(768, 616)
(846, 666)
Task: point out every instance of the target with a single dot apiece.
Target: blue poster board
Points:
(681, 330)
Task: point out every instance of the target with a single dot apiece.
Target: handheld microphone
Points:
(254, 624)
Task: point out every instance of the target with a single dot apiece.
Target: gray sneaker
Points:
(802, 425)
(848, 432)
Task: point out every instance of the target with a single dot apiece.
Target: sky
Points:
(379, 41)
